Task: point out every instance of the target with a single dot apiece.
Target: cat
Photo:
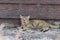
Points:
(40, 24)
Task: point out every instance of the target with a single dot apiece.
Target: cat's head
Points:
(24, 19)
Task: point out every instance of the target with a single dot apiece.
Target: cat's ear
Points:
(28, 16)
(20, 16)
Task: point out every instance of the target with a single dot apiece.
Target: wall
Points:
(41, 9)
(37, 9)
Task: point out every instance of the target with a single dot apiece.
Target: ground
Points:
(10, 33)
(31, 34)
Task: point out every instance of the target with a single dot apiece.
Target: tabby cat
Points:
(40, 24)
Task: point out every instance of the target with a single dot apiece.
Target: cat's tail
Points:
(54, 26)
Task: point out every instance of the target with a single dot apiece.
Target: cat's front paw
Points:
(19, 28)
(26, 28)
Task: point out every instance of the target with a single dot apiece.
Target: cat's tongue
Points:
(24, 23)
